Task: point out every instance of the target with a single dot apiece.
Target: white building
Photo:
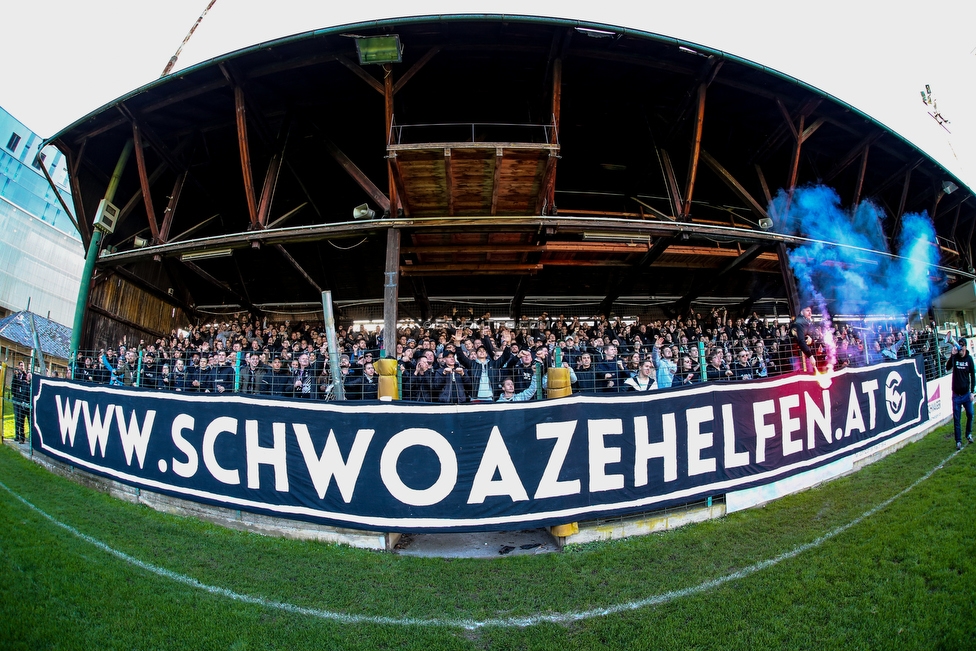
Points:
(41, 254)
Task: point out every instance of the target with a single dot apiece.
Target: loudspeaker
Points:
(363, 212)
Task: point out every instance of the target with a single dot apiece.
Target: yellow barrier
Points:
(559, 385)
(386, 368)
(564, 530)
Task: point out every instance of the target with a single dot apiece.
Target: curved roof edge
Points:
(567, 22)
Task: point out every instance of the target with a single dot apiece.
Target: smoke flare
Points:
(847, 266)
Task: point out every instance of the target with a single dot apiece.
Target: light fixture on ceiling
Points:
(596, 33)
(765, 223)
(949, 187)
(632, 238)
(206, 255)
(363, 211)
(139, 242)
(379, 49)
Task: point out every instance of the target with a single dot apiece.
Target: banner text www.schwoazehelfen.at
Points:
(402, 467)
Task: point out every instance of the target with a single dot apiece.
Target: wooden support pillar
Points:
(557, 98)
(495, 181)
(174, 200)
(449, 181)
(695, 151)
(789, 281)
(795, 162)
(144, 182)
(294, 263)
(860, 175)
(734, 185)
(241, 113)
(54, 189)
(357, 175)
(672, 182)
(267, 190)
(901, 205)
(765, 186)
(398, 181)
(955, 222)
(969, 241)
(388, 112)
(84, 226)
(390, 295)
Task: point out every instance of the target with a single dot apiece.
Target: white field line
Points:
(506, 622)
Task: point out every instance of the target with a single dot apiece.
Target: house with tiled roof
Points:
(22, 331)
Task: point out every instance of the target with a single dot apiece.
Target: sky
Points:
(65, 58)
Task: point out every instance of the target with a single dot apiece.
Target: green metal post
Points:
(92, 256)
(30, 411)
(538, 381)
(701, 360)
(338, 391)
(138, 381)
(237, 372)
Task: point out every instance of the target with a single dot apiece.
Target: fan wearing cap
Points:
(963, 383)
(150, 372)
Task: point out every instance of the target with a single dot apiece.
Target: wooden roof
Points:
(658, 164)
(464, 178)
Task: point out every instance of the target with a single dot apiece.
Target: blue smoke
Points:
(845, 269)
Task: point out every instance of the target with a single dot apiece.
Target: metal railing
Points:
(473, 132)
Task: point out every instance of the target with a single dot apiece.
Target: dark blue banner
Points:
(406, 467)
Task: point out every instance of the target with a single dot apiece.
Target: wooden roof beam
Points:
(170, 213)
(900, 174)
(548, 247)
(414, 69)
(294, 263)
(449, 180)
(859, 186)
(401, 191)
(901, 206)
(734, 185)
(84, 224)
(695, 151)
(481, 269)
(357, 175)
(777, 137)
(245, 152)
(495, 180)
(362, 74)
(271, 175)
(546, 203)
(706, 74)
(672, 184)
(144, 181)
(852, 155)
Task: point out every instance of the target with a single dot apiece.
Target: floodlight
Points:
(379, 49)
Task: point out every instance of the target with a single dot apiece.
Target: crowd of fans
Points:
(465, 358)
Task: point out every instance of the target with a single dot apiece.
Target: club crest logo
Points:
(894, 399)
